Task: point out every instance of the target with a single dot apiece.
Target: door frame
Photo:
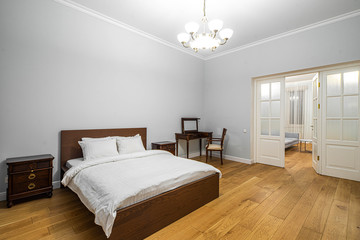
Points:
(253, 127)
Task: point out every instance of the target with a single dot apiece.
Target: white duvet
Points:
(107, 184)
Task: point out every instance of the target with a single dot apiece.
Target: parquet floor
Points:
(256, 202)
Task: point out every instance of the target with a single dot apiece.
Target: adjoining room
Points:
(299, 118)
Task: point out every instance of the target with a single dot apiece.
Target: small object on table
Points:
(29, 176)
(164, 145)
(305, 141)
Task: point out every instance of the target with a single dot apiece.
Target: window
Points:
(296, 107)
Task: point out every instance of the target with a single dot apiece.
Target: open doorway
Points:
(300, 106)
(323, 116)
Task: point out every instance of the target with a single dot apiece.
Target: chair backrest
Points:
(223, 136)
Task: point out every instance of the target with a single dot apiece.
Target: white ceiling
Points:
(251, 20)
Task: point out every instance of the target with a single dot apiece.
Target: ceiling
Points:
(251, 20)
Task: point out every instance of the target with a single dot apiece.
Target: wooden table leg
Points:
(187, 148)
(177, 147)
(200, 145)
(210, 151)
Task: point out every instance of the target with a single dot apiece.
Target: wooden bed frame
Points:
(147, 217)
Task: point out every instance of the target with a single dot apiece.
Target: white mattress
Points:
(107, 184)
(74, 162)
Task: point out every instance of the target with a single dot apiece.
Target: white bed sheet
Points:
(108, 184)
(74, 162)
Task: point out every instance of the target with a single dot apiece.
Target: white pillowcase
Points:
(96, 149)
(95, 139)
(121, 137)
(130, 144)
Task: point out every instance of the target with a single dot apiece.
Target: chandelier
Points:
(204, 40)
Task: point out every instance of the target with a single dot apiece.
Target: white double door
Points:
(335, 122)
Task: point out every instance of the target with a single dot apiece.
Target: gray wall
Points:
(227, 86)
(62, 69)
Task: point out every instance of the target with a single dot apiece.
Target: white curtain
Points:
(298, 107)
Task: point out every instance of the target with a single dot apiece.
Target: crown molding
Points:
(288, 33)
(93, 13)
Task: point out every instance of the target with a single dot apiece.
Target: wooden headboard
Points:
(70, 147)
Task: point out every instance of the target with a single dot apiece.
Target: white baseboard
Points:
(192, 155)
(2, 196)
(233, 158)
(216, 154)
(56, 184)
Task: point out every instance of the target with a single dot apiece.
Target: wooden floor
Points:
(256, 202)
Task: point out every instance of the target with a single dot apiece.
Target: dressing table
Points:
(190, 131)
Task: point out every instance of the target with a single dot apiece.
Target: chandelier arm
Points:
(225, 40)
(215, 32)
(185, 45)
(192, 36)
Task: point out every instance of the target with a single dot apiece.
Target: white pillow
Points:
(97, 149)
(105, 138)
(130, 144)
(121, 137)
(95, 139)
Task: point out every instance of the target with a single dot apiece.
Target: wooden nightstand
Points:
(165, 145)
(29, 176)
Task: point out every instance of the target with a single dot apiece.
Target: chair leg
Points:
(221, 158)
(206, 155)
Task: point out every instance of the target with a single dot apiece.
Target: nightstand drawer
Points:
(24, 167)
(166, 145)
(30, 186)
(30, 176)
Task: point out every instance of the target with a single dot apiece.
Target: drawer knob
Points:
(31, 186)
(31, 176)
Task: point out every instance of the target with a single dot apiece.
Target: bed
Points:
(291, 139)
(143, 218)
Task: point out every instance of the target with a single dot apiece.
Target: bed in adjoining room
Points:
(132, 192)
(291, 139)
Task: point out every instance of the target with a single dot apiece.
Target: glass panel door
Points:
(315, 123)
(270, 121)
(341, 136)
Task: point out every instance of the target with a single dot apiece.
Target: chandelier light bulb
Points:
(215, 25)
(183, 37)
(226, 33)
(204, 41)
(191, 27)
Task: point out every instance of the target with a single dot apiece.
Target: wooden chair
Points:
(216, 147)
